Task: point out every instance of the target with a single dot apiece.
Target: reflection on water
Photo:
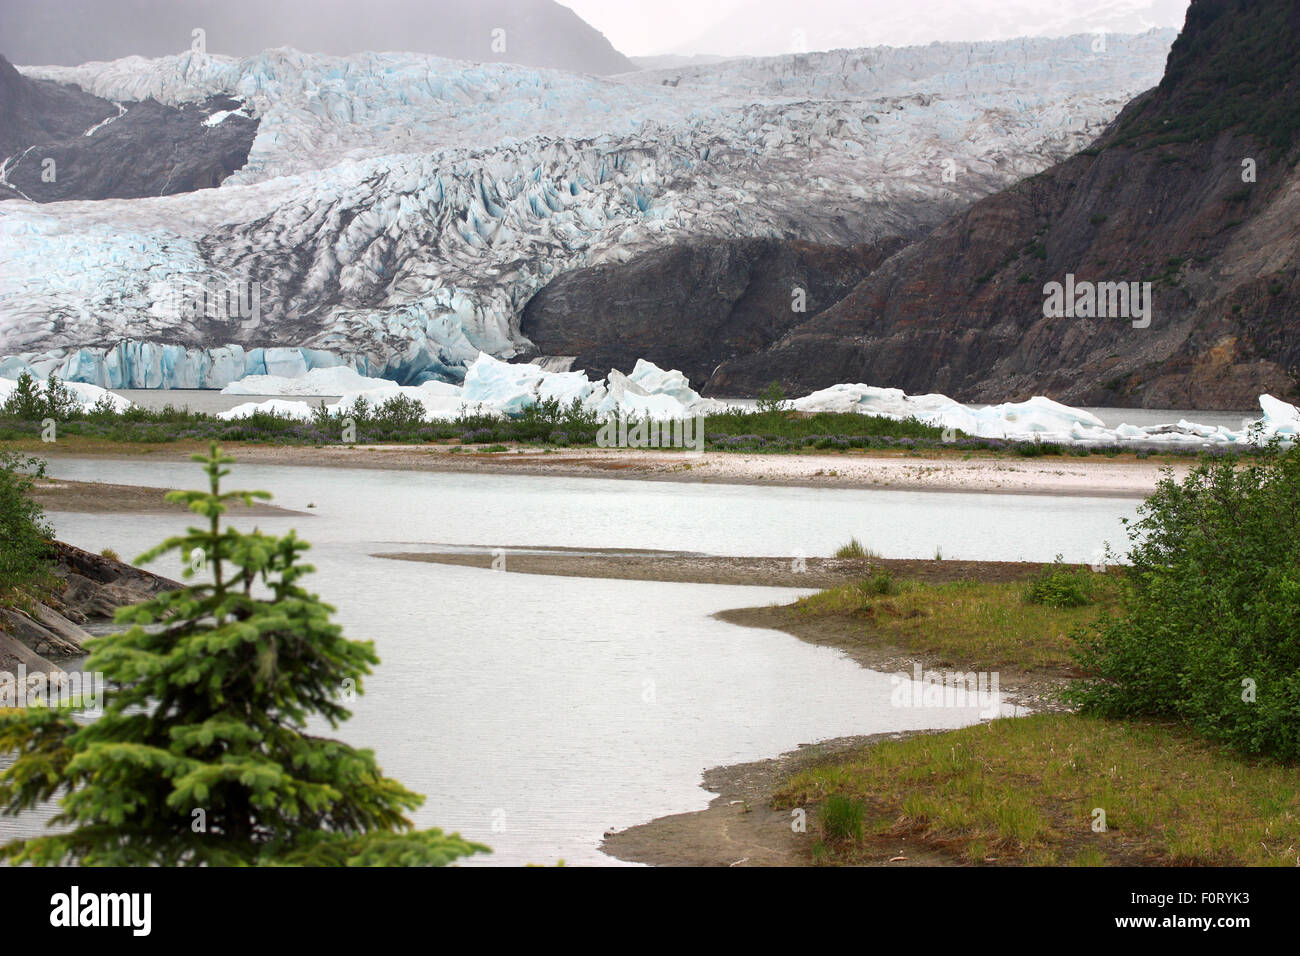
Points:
(537, 712)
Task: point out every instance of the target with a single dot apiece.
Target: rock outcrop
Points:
(58, 143)
(694, 305)
(90, 588)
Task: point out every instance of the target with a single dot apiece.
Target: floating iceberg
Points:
(1044, 419)
(492, 387)
(337, 380)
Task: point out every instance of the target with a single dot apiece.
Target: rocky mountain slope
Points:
(1194, 189)
(397, 211)
(538, 33)
(61, 143)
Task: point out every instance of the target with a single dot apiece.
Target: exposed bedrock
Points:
(693, 305)
(58, 143)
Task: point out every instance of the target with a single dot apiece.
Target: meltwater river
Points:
(535, 712)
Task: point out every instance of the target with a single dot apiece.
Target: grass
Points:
(983, 625)
(855, 550)
(842, 818)
(1025, 790)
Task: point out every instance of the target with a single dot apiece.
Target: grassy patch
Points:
(983, 625)
(855, 550)
(1026, 790)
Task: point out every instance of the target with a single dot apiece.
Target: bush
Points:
(882, 583)
(1057, 586)
(24, 535)
(772, 400)
(1210, 633)
(842, 818)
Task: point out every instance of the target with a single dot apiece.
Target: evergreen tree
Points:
(200, 756)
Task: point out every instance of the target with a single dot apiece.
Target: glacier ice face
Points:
(398, 210)
(134, 364)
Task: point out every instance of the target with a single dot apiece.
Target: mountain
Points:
(1194, 189)
(62, 143)
(538, 33)
(774, 27)
(397, 211)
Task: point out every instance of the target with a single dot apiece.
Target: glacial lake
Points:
(534, 712)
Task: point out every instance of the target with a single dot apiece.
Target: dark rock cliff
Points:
(694, 305)
(148, 150)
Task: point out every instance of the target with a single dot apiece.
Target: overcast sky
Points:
(764, 27)
(647, 27)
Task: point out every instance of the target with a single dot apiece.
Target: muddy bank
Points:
(928, 470)
(95, 497)
(741, 828)
(709, 569)
(1031, 690)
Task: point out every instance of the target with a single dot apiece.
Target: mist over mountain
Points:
(538, 33)
(774, 27)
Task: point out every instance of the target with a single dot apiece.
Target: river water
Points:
(536, 712)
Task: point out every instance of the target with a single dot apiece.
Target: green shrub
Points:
(842, 818)
(772, 399)
(882, 583)
(24, 535)
(1210, 632)
(1057, 586)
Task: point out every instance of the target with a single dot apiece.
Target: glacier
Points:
(398, 210)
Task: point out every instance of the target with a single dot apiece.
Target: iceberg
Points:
(335, 380)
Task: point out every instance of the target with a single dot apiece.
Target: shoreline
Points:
(740, 827)
(98, 497)
(1062, 476)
